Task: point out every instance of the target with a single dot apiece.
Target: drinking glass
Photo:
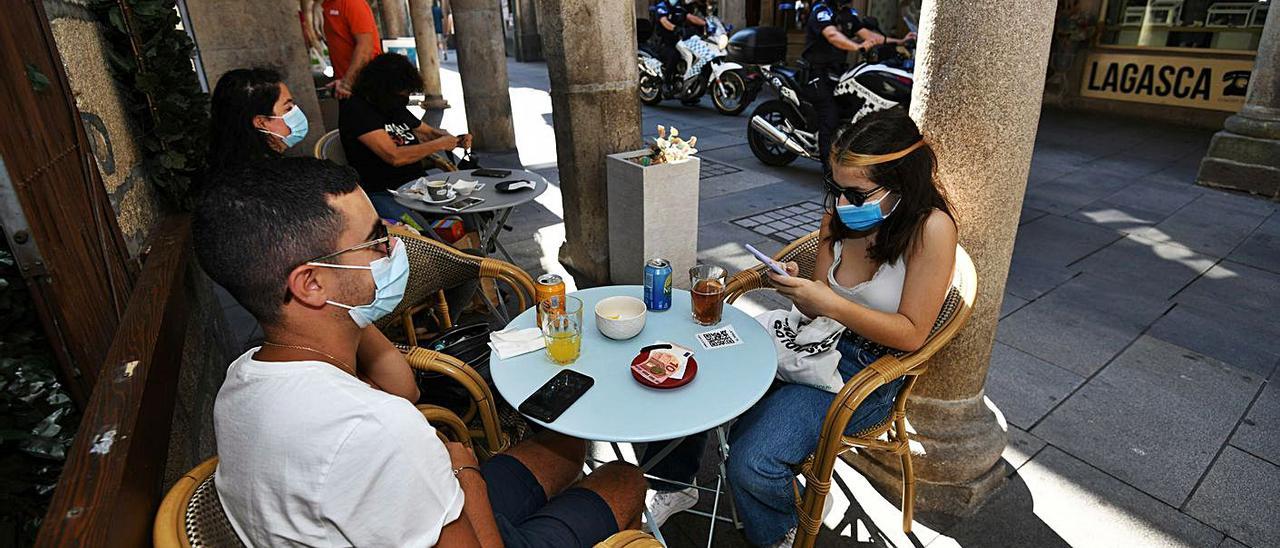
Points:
(707, 282)
(562, 328)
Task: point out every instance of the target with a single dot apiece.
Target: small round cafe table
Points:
(498, 204)
(617, 408)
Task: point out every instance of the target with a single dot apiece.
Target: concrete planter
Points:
(653, 212)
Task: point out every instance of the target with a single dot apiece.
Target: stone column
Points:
(528, 41)
(595, 111)
(1245, 155)
(392, 18)
(258, 33)
(734, 12)
(424, 35)
(482, 62)
(977, 99)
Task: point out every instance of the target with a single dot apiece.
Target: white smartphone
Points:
(768, 261)
(462, 204)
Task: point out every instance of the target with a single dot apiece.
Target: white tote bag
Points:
(806, 347)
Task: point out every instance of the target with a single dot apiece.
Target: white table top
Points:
(617, 408)
(493, 200)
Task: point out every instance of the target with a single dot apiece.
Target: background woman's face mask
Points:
(298, 126)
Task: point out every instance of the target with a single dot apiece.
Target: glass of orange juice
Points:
(562, 328)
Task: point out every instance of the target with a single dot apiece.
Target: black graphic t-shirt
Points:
(357, 117)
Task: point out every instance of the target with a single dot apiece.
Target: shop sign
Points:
(1218, 84)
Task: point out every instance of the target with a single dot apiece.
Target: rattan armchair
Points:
(435, 267)
(629, 539)
(329, 147)
(191, 514)
(890, 435)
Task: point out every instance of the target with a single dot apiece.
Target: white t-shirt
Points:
(309, 455)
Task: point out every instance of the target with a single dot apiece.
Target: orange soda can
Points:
(548, 286)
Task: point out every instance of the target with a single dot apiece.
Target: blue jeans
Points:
(779, 432)
(387, 206)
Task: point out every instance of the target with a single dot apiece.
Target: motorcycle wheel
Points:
(767, 151)
(735, 100)
(650, 90)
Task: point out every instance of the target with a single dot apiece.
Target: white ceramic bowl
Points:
(620, 317)
(465, 187)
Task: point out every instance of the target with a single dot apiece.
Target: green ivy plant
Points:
(37, 418)
(151, 58)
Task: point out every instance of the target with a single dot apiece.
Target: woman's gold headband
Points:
(848, 158)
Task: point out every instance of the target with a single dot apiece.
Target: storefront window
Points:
(1192, 24)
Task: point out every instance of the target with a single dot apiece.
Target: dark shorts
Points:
(526, 519)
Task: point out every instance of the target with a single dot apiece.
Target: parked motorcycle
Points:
(782, 129)
(703, 67)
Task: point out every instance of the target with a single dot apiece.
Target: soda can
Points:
(548, 286)
(657, 284)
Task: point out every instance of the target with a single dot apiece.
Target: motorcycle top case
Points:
(758, 46)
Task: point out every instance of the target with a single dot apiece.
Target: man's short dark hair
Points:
(255, 223)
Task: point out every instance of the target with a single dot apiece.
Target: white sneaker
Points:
(787, 540)
(665, 504)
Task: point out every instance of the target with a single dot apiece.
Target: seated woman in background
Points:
(383, 141)
(252, 117)
(886, 259)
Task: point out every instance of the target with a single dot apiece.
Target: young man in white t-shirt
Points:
(319, 442)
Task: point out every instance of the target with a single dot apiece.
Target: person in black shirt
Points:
(383, 141)
(670, 15)
(826, 45)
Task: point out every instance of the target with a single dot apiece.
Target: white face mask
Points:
(390, 276)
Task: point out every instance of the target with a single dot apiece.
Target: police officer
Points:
(671, 15)
(827, 42)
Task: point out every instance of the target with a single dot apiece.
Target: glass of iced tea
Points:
(707, 283)
(562, 328)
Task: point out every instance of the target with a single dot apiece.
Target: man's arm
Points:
(380, 362)
(379, 141)
(359, 58)
(838, 39)
(476, 511)
(666, 23)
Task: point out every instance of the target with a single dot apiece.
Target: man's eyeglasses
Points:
(381, 243)
(853, 195)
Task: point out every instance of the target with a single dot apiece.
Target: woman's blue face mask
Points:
(859, 214)
(296, 121)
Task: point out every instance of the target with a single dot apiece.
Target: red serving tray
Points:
(690, 371)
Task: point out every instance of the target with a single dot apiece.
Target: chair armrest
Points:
(746, 281)
(431, 361)
(446, 423)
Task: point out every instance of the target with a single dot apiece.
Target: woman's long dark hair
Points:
(386, 82)
(241, 95)
(910, 178)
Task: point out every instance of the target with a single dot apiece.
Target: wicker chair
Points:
(435, 267)
(329, 147)
(890, 435)
(191, 514)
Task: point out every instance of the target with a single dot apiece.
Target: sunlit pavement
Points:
(1133, 356)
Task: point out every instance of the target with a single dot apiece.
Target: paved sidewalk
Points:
(1135, 354)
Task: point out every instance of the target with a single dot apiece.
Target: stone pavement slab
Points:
(1025, 387)
(1160, 199)
(1247, 345)
(1234, 289)
(1059, 241)
(1011, 303)
(1059, 500)
(1082, 324)
(1208, 225)
(1259, 432)
(1121, 218)
(1262, 248)
(1239, 498)
(1154, 268)
(1021, 448)
(1031, 276)
(1154, 418)
(1072, 190)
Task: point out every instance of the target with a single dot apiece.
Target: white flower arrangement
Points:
(669, 150)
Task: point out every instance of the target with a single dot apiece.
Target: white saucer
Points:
(452, 194)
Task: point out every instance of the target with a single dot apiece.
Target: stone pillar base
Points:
(960, 467)
(1242, 162)
(434, 102)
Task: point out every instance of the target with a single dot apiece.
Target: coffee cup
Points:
(437, 190)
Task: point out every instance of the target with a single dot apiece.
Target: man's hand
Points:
(461, 455)
(448, 142)
(464, 141)
(343, 88)
(810, 297)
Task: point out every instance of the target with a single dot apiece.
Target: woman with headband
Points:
(885, 261)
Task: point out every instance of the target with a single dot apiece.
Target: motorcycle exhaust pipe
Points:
(776, 135)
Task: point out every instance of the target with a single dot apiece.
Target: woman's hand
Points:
(811, 298)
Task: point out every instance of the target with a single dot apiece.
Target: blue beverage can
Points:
(657, 284)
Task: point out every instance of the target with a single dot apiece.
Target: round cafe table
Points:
(617, 408)
(498, 205)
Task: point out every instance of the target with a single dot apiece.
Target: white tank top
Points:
(882, 292)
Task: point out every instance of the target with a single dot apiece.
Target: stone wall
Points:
(117, 147)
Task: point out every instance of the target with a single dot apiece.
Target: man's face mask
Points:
(390, 276)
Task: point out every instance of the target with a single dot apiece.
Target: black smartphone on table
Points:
(462, 203)
(493, 173)
(550, 401)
